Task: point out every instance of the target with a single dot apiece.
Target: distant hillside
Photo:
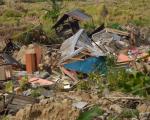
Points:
(15, 13)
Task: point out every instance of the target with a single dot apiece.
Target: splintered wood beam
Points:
(115, 31)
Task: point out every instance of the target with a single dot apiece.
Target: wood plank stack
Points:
(19, 101)
(5, 72)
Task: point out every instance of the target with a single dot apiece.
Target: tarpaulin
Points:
(88, 65)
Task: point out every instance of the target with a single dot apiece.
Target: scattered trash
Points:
(76, 79)
(40, 82)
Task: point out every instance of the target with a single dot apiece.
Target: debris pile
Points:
(70, 105)
(64, 81)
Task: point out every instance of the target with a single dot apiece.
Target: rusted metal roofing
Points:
(75, 14)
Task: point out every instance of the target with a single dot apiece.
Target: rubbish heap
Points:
(39, 81)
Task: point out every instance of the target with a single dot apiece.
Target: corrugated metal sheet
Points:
(75, 14)
(79, 15)
(81, 41)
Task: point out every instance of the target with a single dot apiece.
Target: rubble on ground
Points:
(62, 81)
(62, 105)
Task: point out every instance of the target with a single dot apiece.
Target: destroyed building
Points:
(104, 73)
(68, 24)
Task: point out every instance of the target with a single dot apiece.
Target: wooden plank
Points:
(2, 105)
(115, 31)
(72, 76)
(21, 102)
(14, 107)
(25, 98)
(76, 59)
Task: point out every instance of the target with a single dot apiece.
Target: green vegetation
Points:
(55, 12)
(113, 13)
(135, 83)
(129, 113)
(93, 112)
(127, 80)
(117, 79)
(95, 81)
(4, 118)
(24, 83)
(9, 86)
(36, 92)
(12, 13)
(46, 12)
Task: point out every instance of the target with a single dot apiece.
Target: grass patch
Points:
(120, 12)
(88, 115)
(12, 13)
(129, 113)
(136, 83)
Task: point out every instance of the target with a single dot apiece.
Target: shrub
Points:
(90, 114)
(136, 83)
(24, 83)
(9, 87)
(36, 93)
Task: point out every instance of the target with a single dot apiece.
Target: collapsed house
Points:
(68, 24)
(111, 40)
(79, 54)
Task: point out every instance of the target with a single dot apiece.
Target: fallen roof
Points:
(75, 14)
(77, 43)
